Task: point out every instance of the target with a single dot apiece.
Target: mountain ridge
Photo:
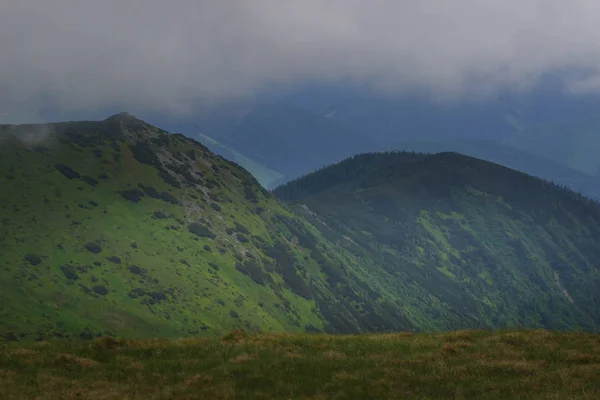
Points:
(513, 158)
(119, 227)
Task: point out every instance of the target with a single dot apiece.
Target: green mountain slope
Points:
(463, 242)
(120, 227)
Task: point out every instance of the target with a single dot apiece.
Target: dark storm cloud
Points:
(79, 54)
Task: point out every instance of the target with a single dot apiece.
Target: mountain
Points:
(508, 156)
(287, 141)
(286, 133)
(388, 118)
(117, 226)
(571, 138)
(548, 120)
(478, 243)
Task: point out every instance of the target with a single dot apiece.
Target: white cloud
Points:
(81, 54)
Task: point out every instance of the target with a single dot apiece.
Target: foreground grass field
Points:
(457, 365)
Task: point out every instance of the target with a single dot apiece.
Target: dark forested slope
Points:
(484, 244)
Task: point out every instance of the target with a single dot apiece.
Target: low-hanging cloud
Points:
(164, 55)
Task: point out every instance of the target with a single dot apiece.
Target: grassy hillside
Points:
(118, 227)
(462, 242)
(458, 365)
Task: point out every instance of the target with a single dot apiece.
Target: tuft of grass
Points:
(235, 336)
(464, 365)
(67, 360)
(108, 342)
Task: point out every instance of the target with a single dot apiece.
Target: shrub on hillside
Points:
(241, 228)
(159, 215)
(157, 297)
(101, 290)
(242, 238)
(93, 247)
(33, 259)
(67, 171)
(168, 197)
(213, 266)
(135, 293)
(133, 195)
(170, 179)
(134, 269)
(254, 271)
(211, 184)
(250, 194)
(149, 191)
(69, 272)
(200, 230)
(296, 283)
(89, 180)
(143, 153)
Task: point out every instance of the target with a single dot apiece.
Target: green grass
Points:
(456, 365)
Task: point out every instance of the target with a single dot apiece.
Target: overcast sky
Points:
(161, 55)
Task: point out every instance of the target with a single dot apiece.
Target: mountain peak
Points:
(129, 122)
(123, 116)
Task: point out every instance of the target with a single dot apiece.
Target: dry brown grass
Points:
(69, 359)
(24, 353)
(240, 358)
(199, 380)
(236, 336)
(449, 349)
(334, 355)
(468, 365)
(108, 342)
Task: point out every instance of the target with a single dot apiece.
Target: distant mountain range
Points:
(283, 135)
(288, 141)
